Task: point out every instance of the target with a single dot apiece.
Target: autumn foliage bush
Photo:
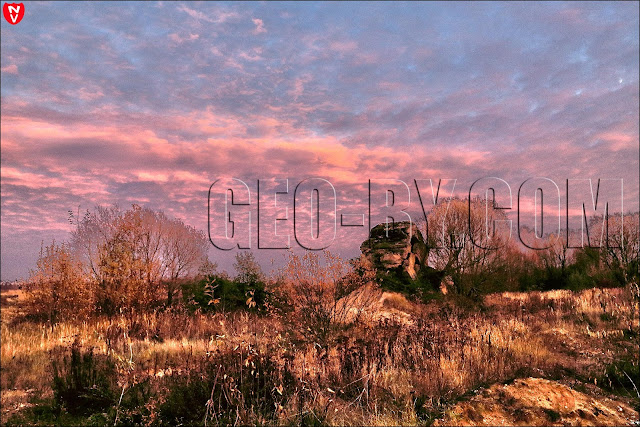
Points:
(118, 261)
(323, 294)
(58, 289)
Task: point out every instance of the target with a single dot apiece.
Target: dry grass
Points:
(404, 367)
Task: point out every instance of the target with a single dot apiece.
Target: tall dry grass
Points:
(246, 368)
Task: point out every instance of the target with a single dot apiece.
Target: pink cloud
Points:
(177, 38)
(344, 46)
(10, 69)
(259, 26)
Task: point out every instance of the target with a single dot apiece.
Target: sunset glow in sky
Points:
(149, 103)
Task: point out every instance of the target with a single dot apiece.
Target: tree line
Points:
(470, 257)
(125, 261)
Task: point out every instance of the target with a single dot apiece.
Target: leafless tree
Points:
(619, 241)
(462, 241)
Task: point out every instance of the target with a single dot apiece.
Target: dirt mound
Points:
(535, 401)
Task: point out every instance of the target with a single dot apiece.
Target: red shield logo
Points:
(13, 12)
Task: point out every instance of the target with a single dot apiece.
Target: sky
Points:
(150, 103)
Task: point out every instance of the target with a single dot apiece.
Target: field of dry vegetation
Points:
(131, 324)
(405, 363)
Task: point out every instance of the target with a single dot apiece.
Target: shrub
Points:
(57, 289)
(239, 386)
(622, 377)
(326, 294)
(217, 292)
(83, 383)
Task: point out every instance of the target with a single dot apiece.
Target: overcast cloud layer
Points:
(149, 103)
